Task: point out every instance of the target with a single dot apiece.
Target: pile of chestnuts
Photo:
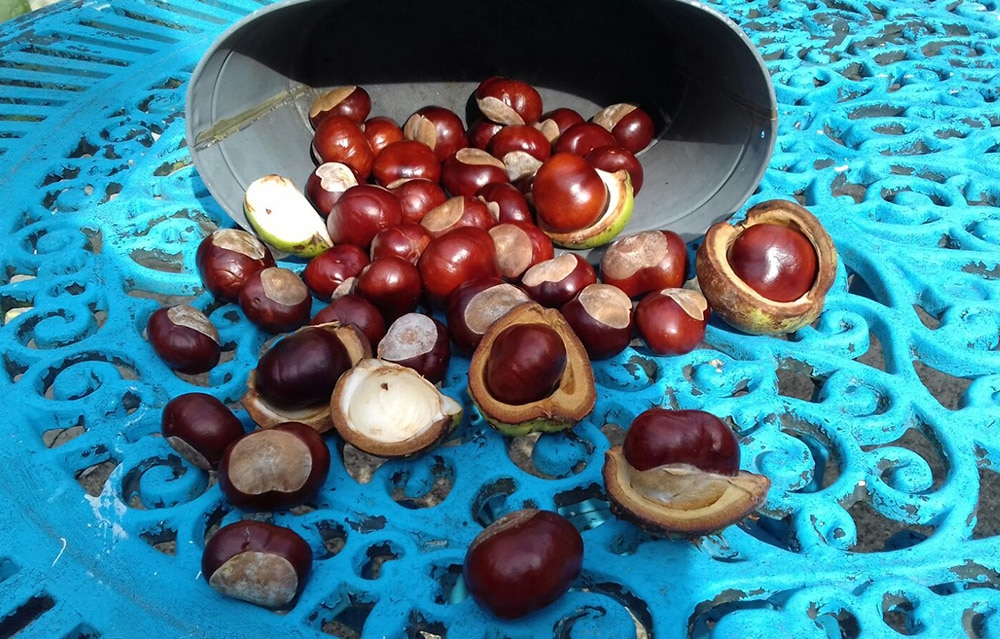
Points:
(428, 238)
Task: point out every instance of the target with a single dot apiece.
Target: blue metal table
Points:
(878, 425)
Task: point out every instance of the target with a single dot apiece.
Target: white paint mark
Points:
(61, 551)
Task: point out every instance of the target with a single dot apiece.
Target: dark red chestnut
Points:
(519, 247)
(184, 338)
(392, 284)
(439, 128)
(417, 196)
(404, 160)
(554, 282)
(226, 258)
(200, 428)
(508, 101)
(300, 370)
(523, 562)
(352, 309)
(276, 300)
(525, 364)
(458, 211)
(631, 127)
(672, 321)
(340, 139)
(407, 240)
(645, 261)
(568, 193)
(327, 183)
(556, 121)
(361, 212)
(582, 138)
(420, 342)
(352, 102)
(601, 316)
(328, 270)
(521, 147)
(658, 437)
(615, 158)
(777, 261)
(469, 170)
(380, 132)
(475, 305)
(274, 468)
(459, 255)
(481, 132)
(254, 561)
(506, 202)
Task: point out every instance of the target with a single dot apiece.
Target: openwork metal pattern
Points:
(878, 425)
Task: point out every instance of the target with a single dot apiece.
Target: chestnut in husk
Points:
(184, 338)
(523, 562)
(736, 301)
(525, 364)
(199, 427)
(254, 561)
(677, 474)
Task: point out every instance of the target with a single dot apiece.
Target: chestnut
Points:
(508, 101)
(274, 468)
(523, 562)
(519, 247)
(284, 218)
(481, 132)
(381, 131)
(631, 127)
(568, 193)
(556, 121)
(677, 474)
(582, 138)
(506, 202)
(525, 364)
(439, 128)
(469, 170)
(403, 160)
(556, 281)
(645, 261)
(338, 138)
(522, 149)
(361, 212)
(200, 428)
(328, 270)
(276, 300)
(615, 158)
(775, 260)
(327, 183)
(458, 211)
(352, 102)
(184, 338)
(420, 342)
(392, 284)
(475, 305)
(354, 310)
(738, 303)
(601, 316)
(226, 258)
(672, 321)
(407, 240)
(417, 196)
(258, 562)
(459, 255)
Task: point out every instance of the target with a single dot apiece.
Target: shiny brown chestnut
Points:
(506, 202)
(353, 102)
(556, 121)
(735, 301)
(615, 158)
(354, 310)
(469, 170)
(199, 427)
(417, 196)
(392, 284)
(475, 305)
(327, 183)
(672, 321)
(456, 212)
(226, 258)
(406, 240)
(274, 468)
(459, 255)
(556, 281)
(568, 193)
(258, 562)
(419, 342)
(775, 260)
(404, 160)
(582, 138)
(184, 338)
(481, 132)
(631, 126)
(276, 300)
(508, 101)
(439, 128)
(645, 261)
(677, 474)
(520, 246)
(523, 562)
(601, 316)
(525, 364)
(381, 131)
(338, 138)
(361, 212)
(522, 148)
(328, 270)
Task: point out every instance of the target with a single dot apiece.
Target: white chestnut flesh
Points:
(284, 218)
